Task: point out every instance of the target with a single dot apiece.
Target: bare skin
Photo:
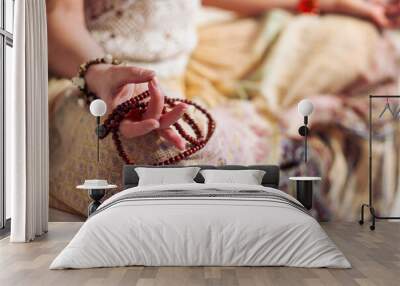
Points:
(69, 37)
(381, 12)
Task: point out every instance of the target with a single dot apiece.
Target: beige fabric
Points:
(314, 46)
(265, 64)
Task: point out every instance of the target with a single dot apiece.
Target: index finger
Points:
(122, 75)
(156, 102)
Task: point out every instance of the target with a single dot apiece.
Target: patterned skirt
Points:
(250, 73)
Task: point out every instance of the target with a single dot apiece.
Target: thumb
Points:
(380, 18)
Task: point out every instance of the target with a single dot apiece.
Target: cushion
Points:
(247, 177)
(162, 176)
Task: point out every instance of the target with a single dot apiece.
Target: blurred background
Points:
(249, 68)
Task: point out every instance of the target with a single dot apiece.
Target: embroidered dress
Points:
(250, 73)
(159, 35)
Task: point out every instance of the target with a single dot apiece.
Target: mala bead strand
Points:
(211, 122)
(136, 104)
(136, 107)
(191, 123)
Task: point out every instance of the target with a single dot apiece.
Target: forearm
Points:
(251, 7)
(70, 43)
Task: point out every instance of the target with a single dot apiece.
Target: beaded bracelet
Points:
(308, 6)
(135, 107)
(79, 79)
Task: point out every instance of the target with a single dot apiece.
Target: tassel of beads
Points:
(136, 104)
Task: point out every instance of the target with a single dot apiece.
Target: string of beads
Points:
(138, 105)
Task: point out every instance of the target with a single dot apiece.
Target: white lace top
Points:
(159, 34)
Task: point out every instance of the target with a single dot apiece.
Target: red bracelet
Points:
(308, 6)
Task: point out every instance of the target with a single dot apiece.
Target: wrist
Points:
(87, 78)
(308, 6)
(330, 5)
(93, 76)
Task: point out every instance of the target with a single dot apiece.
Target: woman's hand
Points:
(116, 84)
(384, 13)
(381, 12)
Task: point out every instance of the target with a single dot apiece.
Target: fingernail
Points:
(189, 108)
(155, 81)
(182, 146)
(153, 84)
(155, 124)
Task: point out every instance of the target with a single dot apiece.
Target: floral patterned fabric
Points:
(250, 73)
